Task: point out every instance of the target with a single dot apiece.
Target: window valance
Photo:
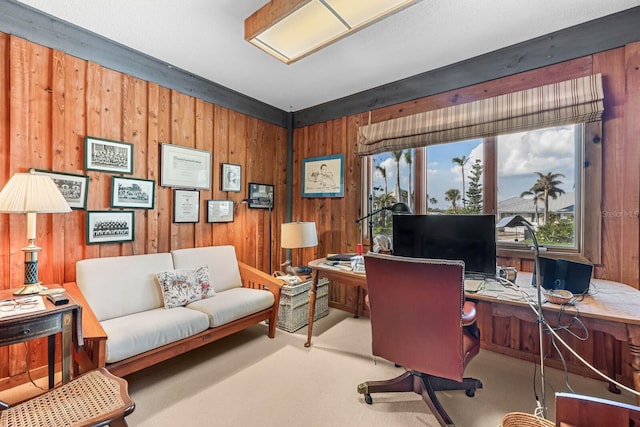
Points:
(573, 101)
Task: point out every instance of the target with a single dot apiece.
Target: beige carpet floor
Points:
(250, 380)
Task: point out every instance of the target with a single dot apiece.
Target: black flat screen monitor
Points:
(469, 238)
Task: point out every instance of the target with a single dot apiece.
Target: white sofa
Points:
(126, 326)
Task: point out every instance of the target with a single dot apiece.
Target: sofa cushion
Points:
(136, 333)
(221, 260)
(233, 304)
(180, 287)
(122, 285)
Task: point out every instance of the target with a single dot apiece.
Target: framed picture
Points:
(260, 196)
(132, 193)
(186, 206)
(108, 156)
(219, 210)
(185, 167)
(73, 187)
(109, 226)
(323, 176)
(231, 177)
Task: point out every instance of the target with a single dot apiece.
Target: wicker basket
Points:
(293, 313)
(522, 419)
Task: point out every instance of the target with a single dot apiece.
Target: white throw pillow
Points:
(181, 287)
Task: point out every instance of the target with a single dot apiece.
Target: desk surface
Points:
(607, 300)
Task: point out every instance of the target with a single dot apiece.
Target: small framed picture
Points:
(108, 156)
(186, 206)
(323, 176)
(73, 187)
(231, 177)
(132, 193)
(219, 210)
(260, 196)
(110, 226)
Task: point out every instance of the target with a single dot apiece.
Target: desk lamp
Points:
(514, 221)
(297, 235)
(396, 208)
(31, 193)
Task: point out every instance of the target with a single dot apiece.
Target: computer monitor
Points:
(469, 238)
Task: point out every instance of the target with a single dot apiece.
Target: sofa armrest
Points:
(94, 336)
(257, 279)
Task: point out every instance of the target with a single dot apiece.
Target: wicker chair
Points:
(418, 322)
(96, 398)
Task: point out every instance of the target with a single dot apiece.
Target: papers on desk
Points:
(21, 305)
(473, 285)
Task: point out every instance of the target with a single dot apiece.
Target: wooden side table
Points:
(65, 319)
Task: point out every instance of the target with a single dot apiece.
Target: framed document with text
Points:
(186, 206)
(183, 167)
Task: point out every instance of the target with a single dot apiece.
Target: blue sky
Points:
(519, 156)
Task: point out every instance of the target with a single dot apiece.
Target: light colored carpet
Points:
(249, 380)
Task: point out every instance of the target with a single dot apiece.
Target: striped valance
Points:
(573, 101)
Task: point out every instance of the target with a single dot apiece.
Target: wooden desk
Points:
(65, 319)
(349, 278)
(613, 308)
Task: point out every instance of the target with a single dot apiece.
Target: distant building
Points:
(563, 206)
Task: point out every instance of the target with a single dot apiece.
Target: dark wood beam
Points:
(36, 26)
(602, 34)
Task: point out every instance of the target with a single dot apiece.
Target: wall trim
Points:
(594, 36)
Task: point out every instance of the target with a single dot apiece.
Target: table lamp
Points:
(514, 221)
(31, 193)
(297, 235)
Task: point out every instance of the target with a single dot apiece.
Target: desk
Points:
(614, 308)
(65, 319)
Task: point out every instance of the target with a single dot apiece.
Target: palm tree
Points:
(537, 197)
(547, 185)
(381, 201)
(397, 155)
(408, 160)
(461, 161)
(452, 195)
(383, 172)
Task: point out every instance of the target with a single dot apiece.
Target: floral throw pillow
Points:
(181, 287)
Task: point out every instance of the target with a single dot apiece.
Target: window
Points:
(538, 179)
(532, 170)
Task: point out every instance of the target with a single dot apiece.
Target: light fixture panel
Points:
(360, 13)
(292, 29)
(303, 31)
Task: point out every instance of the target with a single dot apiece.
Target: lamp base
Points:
(30, 289)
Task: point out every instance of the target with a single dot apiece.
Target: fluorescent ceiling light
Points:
(292, 29)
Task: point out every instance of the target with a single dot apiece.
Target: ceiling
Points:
(206, 38)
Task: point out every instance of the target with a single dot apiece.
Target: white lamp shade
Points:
(32, 193)
(298, 235)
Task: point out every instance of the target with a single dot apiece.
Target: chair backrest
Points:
(416, 311)
(574, 410)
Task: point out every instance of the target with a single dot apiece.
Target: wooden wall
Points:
(51, 100)
(621, 180)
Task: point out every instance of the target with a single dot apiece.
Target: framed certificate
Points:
(185, 167)
(219, 210)
(186, 206)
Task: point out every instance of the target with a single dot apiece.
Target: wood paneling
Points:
(620, 246)
(51, 100)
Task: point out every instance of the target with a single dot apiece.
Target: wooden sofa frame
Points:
(93, 354)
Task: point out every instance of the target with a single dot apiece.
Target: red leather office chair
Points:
(417, 322)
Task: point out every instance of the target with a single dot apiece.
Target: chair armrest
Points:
(468, 313)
